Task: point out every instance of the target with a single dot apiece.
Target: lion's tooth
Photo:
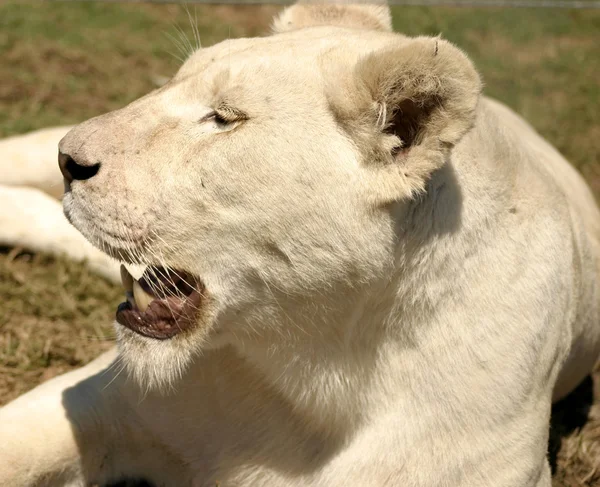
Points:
(136, 270)
(142, 298)
(126, 279)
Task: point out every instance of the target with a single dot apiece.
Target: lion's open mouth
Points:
(161, 304)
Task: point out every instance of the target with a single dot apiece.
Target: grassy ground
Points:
(61, 63)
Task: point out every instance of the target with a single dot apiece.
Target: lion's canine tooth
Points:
(142, 298)
(126, 279)
(136, 270)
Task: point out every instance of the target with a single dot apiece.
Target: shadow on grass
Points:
(569, 415)
(132, 483)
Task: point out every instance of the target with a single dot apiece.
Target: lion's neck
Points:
(339, 371)
(334, 379)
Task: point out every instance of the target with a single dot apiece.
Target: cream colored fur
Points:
(401, 274)
(30, 215)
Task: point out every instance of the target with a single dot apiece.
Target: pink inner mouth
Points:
(165, 302)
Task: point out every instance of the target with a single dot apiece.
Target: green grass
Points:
(63, 62)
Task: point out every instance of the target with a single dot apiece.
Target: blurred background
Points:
(64, 62)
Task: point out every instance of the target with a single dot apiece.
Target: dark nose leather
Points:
(75, 171)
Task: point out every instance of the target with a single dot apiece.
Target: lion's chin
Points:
(159, 365)
(162, 303)
(163, 324)
(153, 365)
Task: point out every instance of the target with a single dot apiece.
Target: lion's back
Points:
(546, 183)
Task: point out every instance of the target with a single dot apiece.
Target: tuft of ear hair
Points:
(372, 15)
(406, 106)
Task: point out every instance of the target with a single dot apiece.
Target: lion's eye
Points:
(224, 116)
(215, 117)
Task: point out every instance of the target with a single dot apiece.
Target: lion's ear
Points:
(374, 15)
(406, 107)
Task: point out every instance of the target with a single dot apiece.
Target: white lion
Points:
(347, 269)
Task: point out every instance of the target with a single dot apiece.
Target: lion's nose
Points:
(75, 171)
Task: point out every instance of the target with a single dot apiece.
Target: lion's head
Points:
(262, 184)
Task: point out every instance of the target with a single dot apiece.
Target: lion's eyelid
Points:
(224, 114)
(231, 114)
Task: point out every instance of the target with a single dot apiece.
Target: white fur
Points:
(391, 299)
(30, 215)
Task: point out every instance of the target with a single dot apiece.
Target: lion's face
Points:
(257, 186)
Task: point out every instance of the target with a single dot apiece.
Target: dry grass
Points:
(64, 62)
(55, 316)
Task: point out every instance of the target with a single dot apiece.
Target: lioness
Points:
(344, 268)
